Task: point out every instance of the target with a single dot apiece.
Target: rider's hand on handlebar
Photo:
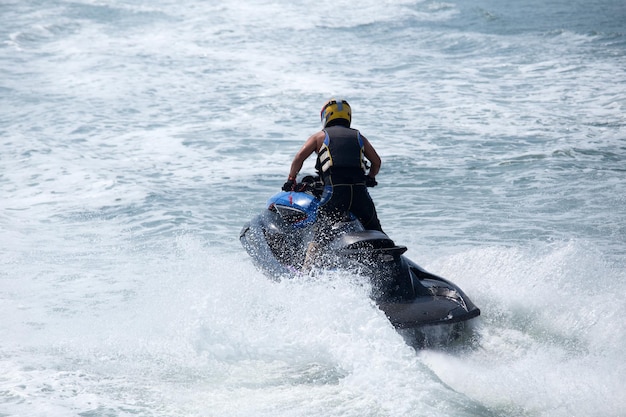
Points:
(290, 185)
(370, 182)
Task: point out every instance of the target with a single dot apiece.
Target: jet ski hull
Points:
(410, 297)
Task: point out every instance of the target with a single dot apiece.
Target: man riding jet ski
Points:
(331, 223)
(341, 164)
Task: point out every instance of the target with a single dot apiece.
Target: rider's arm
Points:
(310, 146)
(372, 156)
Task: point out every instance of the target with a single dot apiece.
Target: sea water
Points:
(137, 137)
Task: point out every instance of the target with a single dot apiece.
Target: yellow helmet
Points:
(335, 109)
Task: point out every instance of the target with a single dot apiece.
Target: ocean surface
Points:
(137, 137)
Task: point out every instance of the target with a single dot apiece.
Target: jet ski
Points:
(422, 305)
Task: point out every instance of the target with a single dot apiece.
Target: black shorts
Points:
(340, 199)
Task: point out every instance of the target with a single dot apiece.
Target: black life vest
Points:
(341, 152)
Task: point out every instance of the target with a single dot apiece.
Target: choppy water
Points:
(137, 137)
